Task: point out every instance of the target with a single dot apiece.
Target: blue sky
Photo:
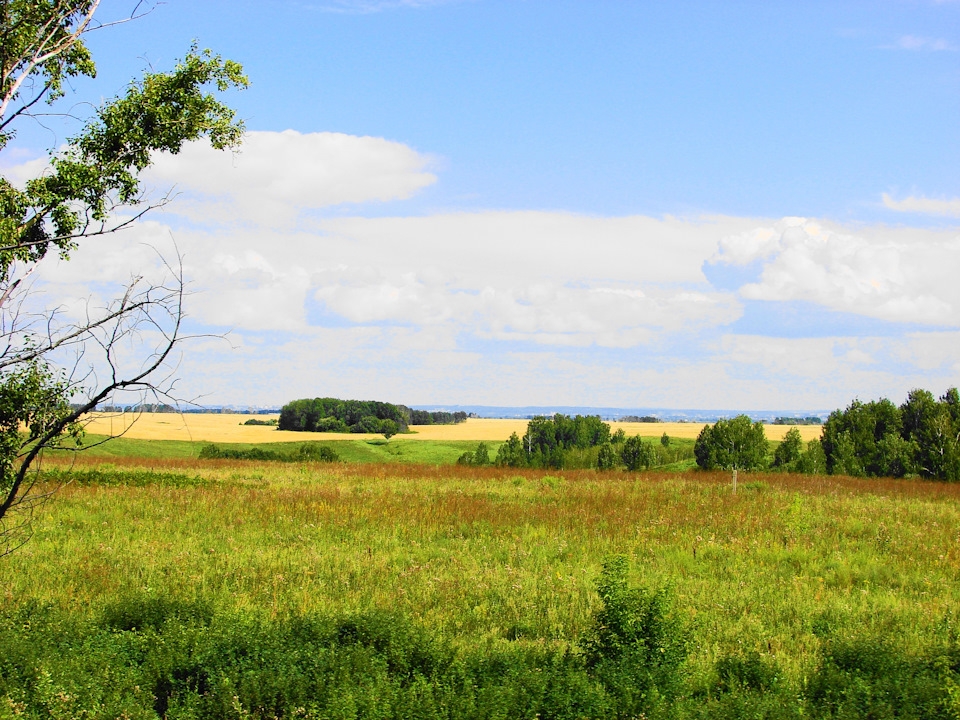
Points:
(743, 205)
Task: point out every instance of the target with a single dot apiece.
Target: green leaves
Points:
(76, 196)
(735, 443)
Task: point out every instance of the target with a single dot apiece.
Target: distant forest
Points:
(358, 416)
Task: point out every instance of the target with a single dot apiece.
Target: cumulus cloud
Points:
(546, 278)
(903, 275)
(929, 206)
(545, 313)
(275, 176)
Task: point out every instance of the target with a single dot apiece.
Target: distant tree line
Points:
(640, 419)
(425, 417)
(812, 420)
(141, 408)
(920, 438)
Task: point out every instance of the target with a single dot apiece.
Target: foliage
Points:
(607, 457)
(308, 452)
(812, 461)
(635, 647)
(272, 422)
(548, 440)
(637, 454)
(439, 417)
(878, 438)
(512, 453)
(735, 443)
(333, 415)
(89, 178)
(479, 457)
(789, 450)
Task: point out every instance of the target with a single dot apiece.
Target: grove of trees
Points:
(334, 415)
(582, 441)
(920, 437)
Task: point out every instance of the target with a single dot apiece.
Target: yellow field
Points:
(229, 428)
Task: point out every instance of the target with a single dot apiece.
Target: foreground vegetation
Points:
(226, 588)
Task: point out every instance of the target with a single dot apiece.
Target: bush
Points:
(635, 647)
(872, 678)
(308, 452)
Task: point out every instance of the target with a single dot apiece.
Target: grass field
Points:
(401, 585)
(229, 428)
(497, 560)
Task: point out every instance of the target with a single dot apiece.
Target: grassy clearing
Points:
(355, 449)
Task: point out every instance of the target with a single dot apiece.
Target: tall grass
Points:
(492, 560)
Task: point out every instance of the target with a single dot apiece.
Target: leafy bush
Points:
(869, 677)
(308, 452)
(479, 457)
(747, 671)
(635, 647)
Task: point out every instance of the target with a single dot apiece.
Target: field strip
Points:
(229, 428)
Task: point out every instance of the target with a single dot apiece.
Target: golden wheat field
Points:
(230, 428)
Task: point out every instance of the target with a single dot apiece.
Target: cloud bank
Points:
(512, 307)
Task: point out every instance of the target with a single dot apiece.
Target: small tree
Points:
(76, 196)
(735, 444)
(636, 454)
(607, 457)
(789, 449)
(512, 453)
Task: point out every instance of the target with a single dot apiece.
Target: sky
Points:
(608, 203)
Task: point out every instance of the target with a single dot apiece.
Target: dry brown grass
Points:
(229, 428)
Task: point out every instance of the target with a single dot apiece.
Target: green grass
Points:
(767, 582)
(433, 452)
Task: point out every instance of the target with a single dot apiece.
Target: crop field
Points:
(505, 563)
(229, 428)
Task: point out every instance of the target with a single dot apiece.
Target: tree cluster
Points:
(920, 437)
(582, 441)
(549, 439)
(811, 420)
(334, 415)
(741, 444)
(440, 417)
(640, 419)
(476, 458)
(308, 452)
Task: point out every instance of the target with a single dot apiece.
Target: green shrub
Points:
(747, 671)
(873, 678)
(635, 647)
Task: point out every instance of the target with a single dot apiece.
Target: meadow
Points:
(493, 573)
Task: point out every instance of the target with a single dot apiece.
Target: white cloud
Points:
(274, 176)
(929, 206)
(917, 43)
(903, 275)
